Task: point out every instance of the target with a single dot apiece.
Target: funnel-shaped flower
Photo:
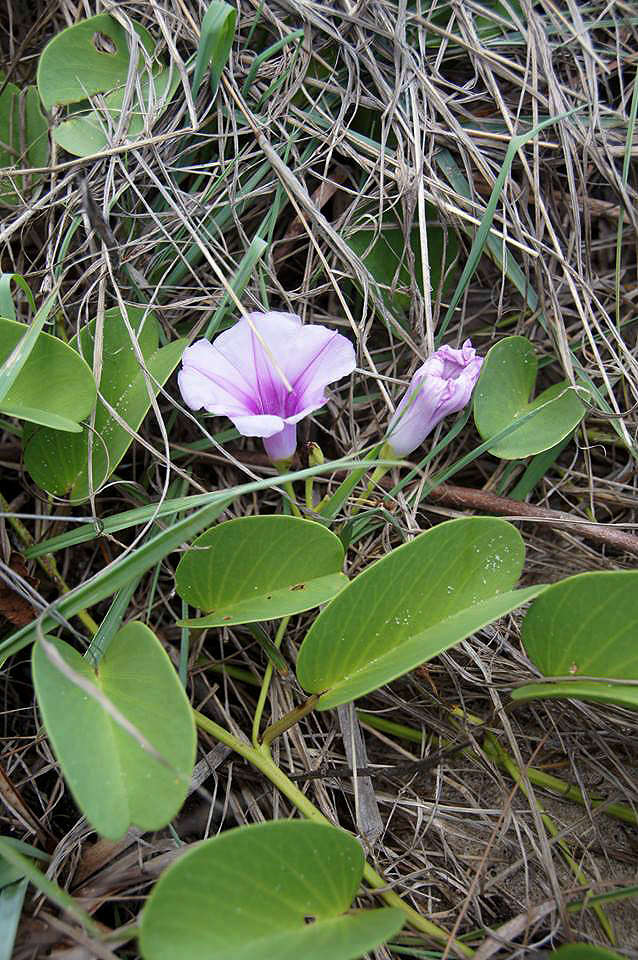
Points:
(239, 376)
(442, 385)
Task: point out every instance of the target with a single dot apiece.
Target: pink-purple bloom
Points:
(442, 385)
(239, 376)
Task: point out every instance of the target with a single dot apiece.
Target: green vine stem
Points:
(620, 811)
(288, 487)
(265, 684)
(263, 762)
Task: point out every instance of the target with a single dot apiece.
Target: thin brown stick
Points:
(468, 498)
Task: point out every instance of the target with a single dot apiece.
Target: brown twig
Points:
(468, 498)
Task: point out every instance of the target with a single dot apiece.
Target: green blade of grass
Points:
(117, 575)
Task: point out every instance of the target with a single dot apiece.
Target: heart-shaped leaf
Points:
(24, 140)
(272, 890)
(502, 396)
(421, 599)
(70, 389)
(59, 463)
(127, 756)
(585, 626)
(260, 568)
(93, 57)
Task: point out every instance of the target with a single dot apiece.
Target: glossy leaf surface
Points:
(115, 778)
(585, 626)
(272, 890)
(260, 568)
(502, 396)
(417, 601)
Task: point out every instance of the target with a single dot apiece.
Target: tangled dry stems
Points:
(459, 841)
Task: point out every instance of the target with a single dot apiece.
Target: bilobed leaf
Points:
(271, 890)
(58, 463)
(53, 386)
(216, 39)
(93, 57)
(115, 780)
(260, 568)
(413, 604)
(502, 396)
(585, 626)
(24, 140)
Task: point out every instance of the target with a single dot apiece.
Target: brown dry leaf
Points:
(13, 606)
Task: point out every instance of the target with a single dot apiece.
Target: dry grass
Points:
(355, 133)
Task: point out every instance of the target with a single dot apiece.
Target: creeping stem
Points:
(263, 762)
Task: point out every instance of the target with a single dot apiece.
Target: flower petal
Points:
(442, 385)
(416, 415)
(260, 425)
(208, 380)
(281, 446)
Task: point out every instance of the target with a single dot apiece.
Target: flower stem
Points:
(263, 762)
(309, 490)
(288, 487)
(377, 474)
(265, 684)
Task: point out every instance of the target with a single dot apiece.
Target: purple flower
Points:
(236, 377)
(441, 386)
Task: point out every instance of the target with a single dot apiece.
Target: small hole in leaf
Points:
(269, 597)
(299, 586)
(309, 919)
(103, 44)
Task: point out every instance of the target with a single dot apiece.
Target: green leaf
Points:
(502, 396)
(585, 626)
(13, 364)
(24, 140)
(59, 463)
(271, 890)
(9, 872)
(584, 951)
(115, 778)
(70, 389)
(413, 604)
(260, 568)
(11, 900)
(216, 39)
(91, 57)
(7, 307)
(386, 255)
